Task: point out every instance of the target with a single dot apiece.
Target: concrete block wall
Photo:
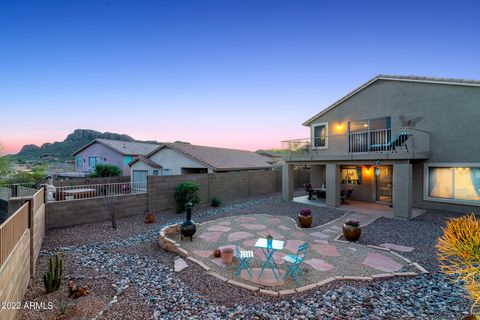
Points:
(14, 276)
(84, 211)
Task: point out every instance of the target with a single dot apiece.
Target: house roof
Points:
(148, 161)
(448, 81)
(127, 148)
(268, 153)
(219, 159)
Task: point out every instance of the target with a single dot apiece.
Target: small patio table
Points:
(268, 251)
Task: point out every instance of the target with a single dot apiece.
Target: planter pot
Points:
(305, 221)
(227, 255)
(351, 233)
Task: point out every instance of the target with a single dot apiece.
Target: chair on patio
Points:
(345, 195)
(399, 140)
(245, 257)
(294, 262)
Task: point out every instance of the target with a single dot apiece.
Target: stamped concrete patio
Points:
(328, 258)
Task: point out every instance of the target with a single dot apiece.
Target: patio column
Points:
(317, 175)
(333, 185)
(287, 182)
(402, 190)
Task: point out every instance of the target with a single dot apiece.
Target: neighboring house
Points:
(113, 152)
(398, 140)
(184, 158)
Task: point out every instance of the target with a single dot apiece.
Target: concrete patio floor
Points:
(372, 208)
(328, 258)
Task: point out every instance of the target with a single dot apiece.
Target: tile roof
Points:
(148, 161)
(222, 158)
(219, 159)
(129, 148)
(412, 78)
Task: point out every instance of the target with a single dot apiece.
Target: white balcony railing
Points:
(371, 141)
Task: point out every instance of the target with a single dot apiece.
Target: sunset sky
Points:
(241, 74)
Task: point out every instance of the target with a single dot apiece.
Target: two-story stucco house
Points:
(113, 152)
(402, 141)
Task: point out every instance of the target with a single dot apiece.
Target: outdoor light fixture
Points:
(339, 126)
(365, 125)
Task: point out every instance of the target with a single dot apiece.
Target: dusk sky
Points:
(241, 74)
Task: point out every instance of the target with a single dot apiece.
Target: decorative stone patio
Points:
(328, 258)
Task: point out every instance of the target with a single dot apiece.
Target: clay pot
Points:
(305, 221)
(351, 233)
(227, 255)
(150, 217)
(217, 253)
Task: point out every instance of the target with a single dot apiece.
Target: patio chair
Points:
(294, 262)
(397, 141)
(345, 195)
(245, 257)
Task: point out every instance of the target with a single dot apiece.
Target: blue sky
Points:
(241, 74)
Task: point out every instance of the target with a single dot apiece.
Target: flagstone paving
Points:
(326, 258)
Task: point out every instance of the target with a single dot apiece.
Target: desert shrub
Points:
(106, 170)
(459, 254)
(184, 193)
(216, 202)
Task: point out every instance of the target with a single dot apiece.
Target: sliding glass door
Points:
(384, 184)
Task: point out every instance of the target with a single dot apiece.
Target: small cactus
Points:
(53, 279)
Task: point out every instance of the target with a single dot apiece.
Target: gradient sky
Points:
(241, 74)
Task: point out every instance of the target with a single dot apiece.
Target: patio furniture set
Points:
(269, 247)
(320, 193)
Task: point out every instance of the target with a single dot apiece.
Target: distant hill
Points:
(63, 150)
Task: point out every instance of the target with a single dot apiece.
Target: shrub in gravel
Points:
(459, 253)
(184, 193)
(216, 202)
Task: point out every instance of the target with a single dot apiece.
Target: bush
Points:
(106, 170)
(216, 202)
(184, 193)
(459, 254)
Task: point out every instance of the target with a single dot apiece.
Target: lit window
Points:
(351, 175)
(456, 183)
(320, 135)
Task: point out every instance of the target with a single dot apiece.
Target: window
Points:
(92, 162)
(79, 161)
(155, 172)
(455, 183)
(166, 172)
(351, 175)
(127, 160)
(319, 135)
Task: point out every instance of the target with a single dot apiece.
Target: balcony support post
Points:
(287, 182)
(333, 185)
(402, 190)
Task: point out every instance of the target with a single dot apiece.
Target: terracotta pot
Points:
(227, 255)
(305, 221)
(351, 233)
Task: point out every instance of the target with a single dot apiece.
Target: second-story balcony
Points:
(399, 143)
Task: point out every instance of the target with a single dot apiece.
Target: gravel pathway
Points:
(420, 233)
(135, 261)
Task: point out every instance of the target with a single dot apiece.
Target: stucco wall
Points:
(169, 159)
(101, 151)
(450, 113)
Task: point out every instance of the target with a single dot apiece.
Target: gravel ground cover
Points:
(420, 233)
(131, 264)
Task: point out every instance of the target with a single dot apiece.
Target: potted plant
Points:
(269, 240)
(227, 255)
(352, 230)
(217, 253)
(305, 218)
